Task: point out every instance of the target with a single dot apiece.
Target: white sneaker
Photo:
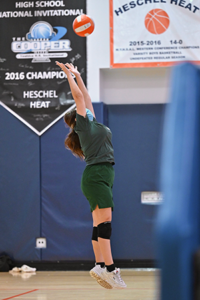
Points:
(27, 269)
(96, 273)
(114, 279)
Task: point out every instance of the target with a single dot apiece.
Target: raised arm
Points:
(76, 92)
(87, 99)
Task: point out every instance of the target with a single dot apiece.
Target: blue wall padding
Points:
(66, 217)
(40, 187)
(19, 188)
(178, 231)
(137, 131)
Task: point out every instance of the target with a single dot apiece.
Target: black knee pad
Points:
(104, 230)
(95, 234)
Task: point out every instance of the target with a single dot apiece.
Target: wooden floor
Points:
(71, 285)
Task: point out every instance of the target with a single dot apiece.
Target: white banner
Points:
(154, 33)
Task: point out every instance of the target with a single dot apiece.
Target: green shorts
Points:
(96, 185)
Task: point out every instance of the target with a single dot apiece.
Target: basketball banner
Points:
(34, 34)
(154, 33)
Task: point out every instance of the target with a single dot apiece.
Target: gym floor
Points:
(142, 284)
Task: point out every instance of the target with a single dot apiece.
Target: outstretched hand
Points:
(72, 69)
(63, 67)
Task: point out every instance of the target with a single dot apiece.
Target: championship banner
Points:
(35, 34)
(154, 33)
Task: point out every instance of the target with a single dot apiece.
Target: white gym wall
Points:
(118, 86)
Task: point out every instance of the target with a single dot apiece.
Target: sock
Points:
(110, 268)
(102, 264)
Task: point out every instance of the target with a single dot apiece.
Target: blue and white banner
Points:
(153, 33)
(34, 34)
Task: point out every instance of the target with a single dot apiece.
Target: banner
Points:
(154, 33)
(34, 34)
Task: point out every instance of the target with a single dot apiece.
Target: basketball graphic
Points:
(41, 31)
(157, 21)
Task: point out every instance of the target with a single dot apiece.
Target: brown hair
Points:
(72, 140)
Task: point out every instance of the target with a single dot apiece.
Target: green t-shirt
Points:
(95, 140)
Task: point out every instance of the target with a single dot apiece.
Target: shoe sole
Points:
(116, 286)
(100, 281)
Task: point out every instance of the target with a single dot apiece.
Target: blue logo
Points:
(41, 30)
(44, 41)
